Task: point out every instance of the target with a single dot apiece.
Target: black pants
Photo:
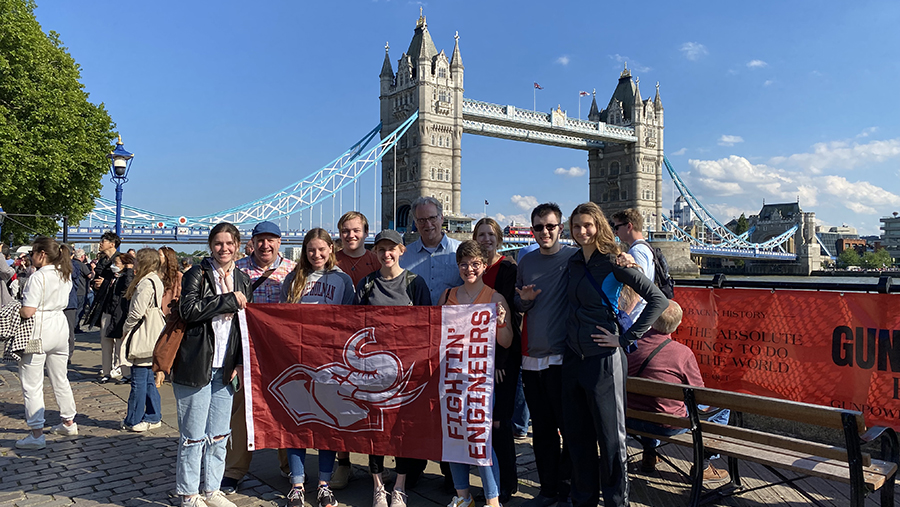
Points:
(404, 465)
(543, 393)
(503, 439)
(594, 408)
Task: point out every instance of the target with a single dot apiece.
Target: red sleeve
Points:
(691, 370)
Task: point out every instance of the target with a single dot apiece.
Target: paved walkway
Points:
(106, 466)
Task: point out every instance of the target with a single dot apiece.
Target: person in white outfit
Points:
(45, 296)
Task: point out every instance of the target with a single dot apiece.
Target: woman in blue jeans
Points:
(315, 280)
(207, 362)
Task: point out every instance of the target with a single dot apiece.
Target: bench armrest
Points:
(873, 433)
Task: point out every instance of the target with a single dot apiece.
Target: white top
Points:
(643, 256)
(221, 324)
(47, 291)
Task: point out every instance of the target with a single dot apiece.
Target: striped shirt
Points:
(270, 290)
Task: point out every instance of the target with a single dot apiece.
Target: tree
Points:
(877, 260)
(53, 141)
(743, 225)
(848, 257)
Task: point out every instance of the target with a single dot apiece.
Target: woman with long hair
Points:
(316, 279)
(208, 360)
(472, 261)
(500, 275)
(594, 365)
(44, 297)
(144, 294)
(170, 276)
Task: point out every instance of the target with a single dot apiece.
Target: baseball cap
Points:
(266, 228)
(389, 235)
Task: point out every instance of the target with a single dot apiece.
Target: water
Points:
(799, 279)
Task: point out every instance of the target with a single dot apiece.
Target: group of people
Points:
(567, 318)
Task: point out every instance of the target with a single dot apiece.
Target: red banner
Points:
(827, 348)
(405, 381)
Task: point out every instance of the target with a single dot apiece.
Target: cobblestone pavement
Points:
(104, 465)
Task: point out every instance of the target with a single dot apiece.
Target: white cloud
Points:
(841, 155)
(738, 176)
(693, 50)
(525, 202)
(572, 172)
(634, 64)
(853, 195)
(757, 64)
(768, 82)
(727, 140)
(520, 219)
(679, 152)
(867, 132)
(563, 60)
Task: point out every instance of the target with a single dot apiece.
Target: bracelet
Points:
(501, 327)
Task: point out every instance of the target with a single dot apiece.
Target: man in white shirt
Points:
(628, 226)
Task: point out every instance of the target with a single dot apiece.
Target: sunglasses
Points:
(615, 227)
(540, 227)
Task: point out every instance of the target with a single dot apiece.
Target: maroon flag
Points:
(539, 87)
(411, 381)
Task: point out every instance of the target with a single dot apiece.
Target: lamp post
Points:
(120, 163)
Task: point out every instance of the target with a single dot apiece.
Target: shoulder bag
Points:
(142, 339)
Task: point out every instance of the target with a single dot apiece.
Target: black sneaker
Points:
(296, 497)
(325, 497)
(229, 486)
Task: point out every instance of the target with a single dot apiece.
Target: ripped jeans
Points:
(204, 413)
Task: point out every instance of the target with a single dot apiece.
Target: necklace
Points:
(358, 260)
(466, 292)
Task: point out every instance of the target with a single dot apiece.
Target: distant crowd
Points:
(573, 323)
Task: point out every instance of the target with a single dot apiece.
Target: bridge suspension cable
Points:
(297, 197)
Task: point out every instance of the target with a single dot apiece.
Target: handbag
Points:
(142, 339)
(35, 345)
(170, 339)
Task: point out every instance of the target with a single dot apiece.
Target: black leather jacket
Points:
(199, 304)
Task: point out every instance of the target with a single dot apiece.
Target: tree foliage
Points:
(877, 260)
(743, 225)
(53, 140)
(848, 257)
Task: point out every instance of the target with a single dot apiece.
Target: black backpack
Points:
(661, 276)
(370, 284)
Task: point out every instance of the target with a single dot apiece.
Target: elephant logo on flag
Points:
(350, 395)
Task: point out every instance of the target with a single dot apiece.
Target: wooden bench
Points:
(847, 464)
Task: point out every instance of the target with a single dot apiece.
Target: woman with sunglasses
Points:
(472, 261)
(594, 365)
(45, 296)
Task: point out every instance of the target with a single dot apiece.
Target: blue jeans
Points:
(204, 413)
(490, 477)
(297, 461)
(715, 416)
(521, 414)
(143, 401)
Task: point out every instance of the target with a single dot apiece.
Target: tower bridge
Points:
(423, 118)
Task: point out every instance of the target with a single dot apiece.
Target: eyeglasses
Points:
(433, 219)
(615, 227)
(466, 266)
(540, 227)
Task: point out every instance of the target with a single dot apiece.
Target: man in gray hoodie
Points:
(541, 296)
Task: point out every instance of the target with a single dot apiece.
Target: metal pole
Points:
(65, 220)
(394, 170)
(119, 208)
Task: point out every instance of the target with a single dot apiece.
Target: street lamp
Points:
(120, 163)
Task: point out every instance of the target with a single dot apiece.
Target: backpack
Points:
(661, 276)
(370, 284)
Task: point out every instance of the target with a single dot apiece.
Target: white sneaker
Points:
(67, 431)
(137, 428)
(217, 499)
(30, 442)
(459, 501)
(153, 426)
(194, 501)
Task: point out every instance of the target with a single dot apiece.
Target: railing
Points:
(884, 285)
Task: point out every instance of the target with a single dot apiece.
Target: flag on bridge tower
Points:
(583, 94)
(486, 203)
(537, 86)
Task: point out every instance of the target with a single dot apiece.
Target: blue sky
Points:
(223, 102)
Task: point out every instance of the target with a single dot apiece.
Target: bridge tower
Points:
(629, 175)
(429, 155)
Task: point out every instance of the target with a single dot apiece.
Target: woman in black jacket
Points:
(594, 364)
(208, 359)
